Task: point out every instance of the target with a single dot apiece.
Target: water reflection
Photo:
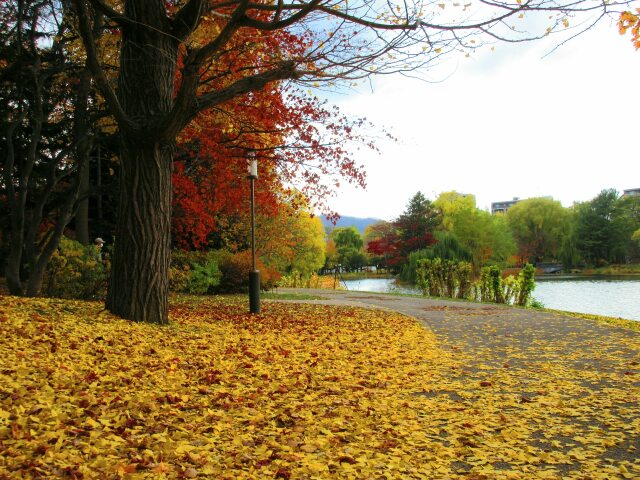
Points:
(608, 296)
(382, 285)
(612, 297)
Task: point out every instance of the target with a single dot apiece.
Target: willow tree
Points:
(163, 71)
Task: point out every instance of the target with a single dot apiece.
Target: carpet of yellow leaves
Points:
(297, 392)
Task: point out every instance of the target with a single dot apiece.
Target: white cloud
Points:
(511, 124)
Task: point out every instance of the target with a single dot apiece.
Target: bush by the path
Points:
(449, 278)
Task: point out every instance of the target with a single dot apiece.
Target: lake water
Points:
(608, 296)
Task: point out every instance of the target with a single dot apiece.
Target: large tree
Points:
(539, 226)
(604, 227)
(349, 245)
(417, 223)
(450, 203)
(46, 113)
(162, 73)
(486, 236)
(382, 243)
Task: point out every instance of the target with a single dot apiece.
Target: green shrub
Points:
(194, 272)
(179, 278)
(527, 284)
(203, 278)
(495, 278)
(409, 269)
(443, 278)
(426, 277)
(447, 278)
(464, 279)
(536, 304)
(484, 287)
(511, 289)
(447, 248)
(76, 271)
(450, 277)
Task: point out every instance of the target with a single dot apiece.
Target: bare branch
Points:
(191, 73)
(277, 24)
(203, 54)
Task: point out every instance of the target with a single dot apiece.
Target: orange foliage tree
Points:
(630, 21)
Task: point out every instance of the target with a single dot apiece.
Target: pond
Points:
(608, 296)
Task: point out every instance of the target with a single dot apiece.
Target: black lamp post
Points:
(254, 275)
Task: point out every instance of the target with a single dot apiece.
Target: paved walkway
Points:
(594, 368)
(472, 326)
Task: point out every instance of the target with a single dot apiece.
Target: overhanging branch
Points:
(286, 70)
(98, 73)
(110, 13)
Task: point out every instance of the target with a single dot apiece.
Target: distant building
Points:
(502, 207)
(632, 192)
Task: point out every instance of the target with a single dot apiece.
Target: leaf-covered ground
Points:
(300, 391)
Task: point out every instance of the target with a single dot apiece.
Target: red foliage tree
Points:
(298, 140)
(383, 244)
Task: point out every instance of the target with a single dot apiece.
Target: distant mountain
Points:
(359, 223)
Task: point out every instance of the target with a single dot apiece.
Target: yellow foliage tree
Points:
(451, 203)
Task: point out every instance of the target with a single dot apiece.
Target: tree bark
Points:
(14, 260)
(82, 213)
(16, 216)
(139, 283)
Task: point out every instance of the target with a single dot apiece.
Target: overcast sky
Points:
(505, 123)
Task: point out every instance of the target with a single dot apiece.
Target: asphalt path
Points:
(473, 326)
(596, 363)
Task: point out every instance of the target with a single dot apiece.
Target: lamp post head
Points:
(252, 164)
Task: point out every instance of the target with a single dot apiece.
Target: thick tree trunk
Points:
(36, 279)
(139, 283)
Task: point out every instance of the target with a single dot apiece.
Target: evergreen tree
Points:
(417, 223)
(603, 229)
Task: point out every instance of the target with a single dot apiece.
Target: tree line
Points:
(604, 230)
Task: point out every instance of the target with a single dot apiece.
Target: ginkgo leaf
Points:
(302, 391)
